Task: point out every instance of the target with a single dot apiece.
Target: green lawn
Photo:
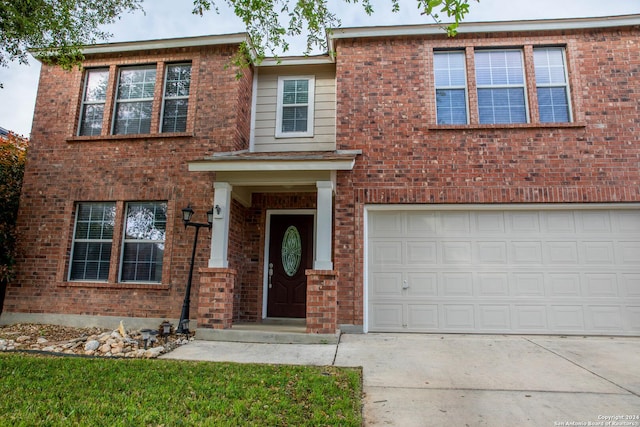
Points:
(63, 391)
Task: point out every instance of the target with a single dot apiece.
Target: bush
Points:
(13, 154)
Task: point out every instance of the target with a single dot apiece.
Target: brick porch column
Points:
(322, 307)
(215, 298)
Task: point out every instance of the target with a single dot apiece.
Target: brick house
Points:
(486, 183)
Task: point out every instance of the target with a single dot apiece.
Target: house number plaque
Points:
(291, 251)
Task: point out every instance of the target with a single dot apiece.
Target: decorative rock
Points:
(92, 345)
(105, 348)
(23, 338)
(50, 348)
(42, 340)
(153, 352)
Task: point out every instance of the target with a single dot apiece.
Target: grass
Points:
(62, 391)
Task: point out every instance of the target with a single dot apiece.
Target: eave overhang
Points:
(280, 162)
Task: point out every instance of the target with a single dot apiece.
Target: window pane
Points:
(451, 106)
(449, 69)
(133, 117)
(501, 106)
(178, 80)
(137, 83)
(294, 119)
(92, 241)
(91, 120)
(96, 87)
(553, 105)
(143, 248)
(175, 115)
(495, 68)
(552, 88)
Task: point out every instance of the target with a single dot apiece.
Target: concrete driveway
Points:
(470, 380)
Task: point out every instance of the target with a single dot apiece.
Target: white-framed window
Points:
(94, 97)
(143, 243)
(92, 241)
(501, 86)
(451, 87)
(552, 84)
(134, 100)
(176, 98)
(295, 102)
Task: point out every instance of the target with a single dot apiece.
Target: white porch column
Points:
(220, 230)
(324, 220)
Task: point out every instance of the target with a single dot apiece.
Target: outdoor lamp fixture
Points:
(187, 213)
(146, 334)
(165, 330)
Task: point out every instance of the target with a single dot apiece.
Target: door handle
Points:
(270, 273)
(405, 284)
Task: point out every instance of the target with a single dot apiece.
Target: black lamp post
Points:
(187, 213)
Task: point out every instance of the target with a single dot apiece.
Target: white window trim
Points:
(454, 87)
(75, 240)
(567, 89)
(507, 86)
(310, 107)
(85, 103)
(166, 98)
(118, 101)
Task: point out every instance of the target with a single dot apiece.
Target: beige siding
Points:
(324, 132)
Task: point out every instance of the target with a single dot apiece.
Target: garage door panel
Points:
(599, 252)
(564, 284)
(490, 222)
(493, 284)
(422, 284)
(421, 252)
(601, 285)
(528, 284)
(458, 317)
(386, 285)
(526, 252)
(605, 318)
(567, 318)
(558, 222)
(423, 317)
(456, 252)
(561, 252)
(530, 318)
(456, 284)
(631, 284)
(495, 318)
(571, 271)
(491, 252)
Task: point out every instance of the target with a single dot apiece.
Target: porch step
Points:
(267, 333)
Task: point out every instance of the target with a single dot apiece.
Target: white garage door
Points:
(509, 271)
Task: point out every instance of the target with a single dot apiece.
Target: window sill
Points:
(130, 136)
(107, 285)
(509, 126)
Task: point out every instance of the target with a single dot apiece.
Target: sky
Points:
(173, 18)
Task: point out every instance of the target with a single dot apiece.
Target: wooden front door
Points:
(290, 255)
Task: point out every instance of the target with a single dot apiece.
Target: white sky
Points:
(173, 18)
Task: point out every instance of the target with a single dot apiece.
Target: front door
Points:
(290, 255)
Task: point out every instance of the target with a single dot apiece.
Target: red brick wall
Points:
(63, 169)
(386, 108)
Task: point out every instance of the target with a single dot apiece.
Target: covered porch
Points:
(271, 263)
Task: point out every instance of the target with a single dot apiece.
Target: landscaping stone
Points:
(91, 342)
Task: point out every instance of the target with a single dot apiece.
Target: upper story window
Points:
(551, 85)
(93, 99)
(451, 87)
(134, 100)
(176, 98)
(143, 243)
(501, 85)
(501, 88)
(294, 113)
(92, 239)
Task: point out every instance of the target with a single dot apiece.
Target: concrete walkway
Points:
(458, 380)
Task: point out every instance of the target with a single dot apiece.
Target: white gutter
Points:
(167, 43)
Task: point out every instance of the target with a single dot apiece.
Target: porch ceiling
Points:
(296, 171)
